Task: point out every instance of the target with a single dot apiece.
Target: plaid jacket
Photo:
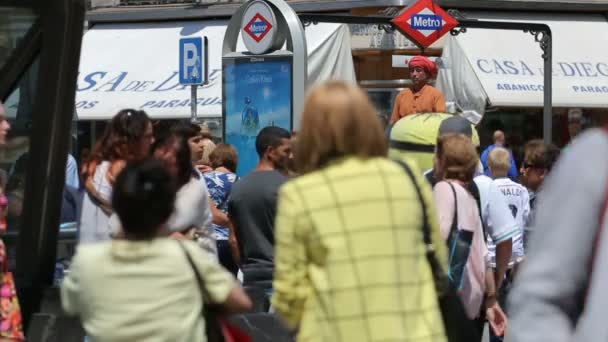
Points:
(350, 262)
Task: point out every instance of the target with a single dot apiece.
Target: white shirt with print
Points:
(519, 204)
(495, 213)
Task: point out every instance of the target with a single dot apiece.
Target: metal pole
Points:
(193, 116)
(548, 91)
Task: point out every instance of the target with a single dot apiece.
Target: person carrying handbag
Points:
(460, 225)
(141, 287)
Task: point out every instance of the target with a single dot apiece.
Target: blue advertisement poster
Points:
(257, 93)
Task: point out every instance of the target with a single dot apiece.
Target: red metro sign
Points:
(424, 22)
(258, 27)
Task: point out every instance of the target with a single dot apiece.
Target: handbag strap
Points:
(199, 280)
(455, 312)
(426, 227)
(454, 227)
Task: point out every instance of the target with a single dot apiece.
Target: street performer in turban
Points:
(422, 97)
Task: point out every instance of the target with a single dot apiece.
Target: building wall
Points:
(543, 5)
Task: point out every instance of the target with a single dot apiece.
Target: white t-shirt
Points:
(495, 213)
(191, 210)
(519, 204)
(94, 222)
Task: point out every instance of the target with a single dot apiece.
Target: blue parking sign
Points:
(192, 61)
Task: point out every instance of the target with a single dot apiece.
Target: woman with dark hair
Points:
(127, 138)
(144, 287)
(224, 161)
(192, 216)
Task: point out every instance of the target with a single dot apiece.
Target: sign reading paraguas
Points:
(259, 27)
(424, 22)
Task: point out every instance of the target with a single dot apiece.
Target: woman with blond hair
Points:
(350, 260)
(456, 161)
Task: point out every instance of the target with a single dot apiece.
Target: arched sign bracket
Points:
(541, 32)
(290, 25)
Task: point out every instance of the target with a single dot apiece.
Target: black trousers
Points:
(224, 254)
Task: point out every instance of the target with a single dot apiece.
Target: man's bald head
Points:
(499, 138)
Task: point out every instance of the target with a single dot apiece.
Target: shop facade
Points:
(498, 73)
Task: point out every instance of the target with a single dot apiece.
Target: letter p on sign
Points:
(192, 61)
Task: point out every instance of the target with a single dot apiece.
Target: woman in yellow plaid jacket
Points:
(350, 261)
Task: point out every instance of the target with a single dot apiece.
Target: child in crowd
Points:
(516, 195)
(499, 163)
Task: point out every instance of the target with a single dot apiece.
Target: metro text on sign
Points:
(427, 22)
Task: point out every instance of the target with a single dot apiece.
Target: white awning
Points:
(136, 66)
(505, 68)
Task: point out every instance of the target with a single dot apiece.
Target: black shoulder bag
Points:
(458, 327)
(459, 247)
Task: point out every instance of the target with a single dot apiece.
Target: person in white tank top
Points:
(128, 137)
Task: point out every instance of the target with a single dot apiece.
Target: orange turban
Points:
(429, 66)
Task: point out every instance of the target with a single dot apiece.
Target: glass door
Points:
(39, 55)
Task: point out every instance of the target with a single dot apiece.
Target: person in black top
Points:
(252, 208)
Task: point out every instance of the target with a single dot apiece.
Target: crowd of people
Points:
(327, 231)
(336, 229)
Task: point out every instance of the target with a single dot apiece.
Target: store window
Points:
(524, 124)
(519, 125)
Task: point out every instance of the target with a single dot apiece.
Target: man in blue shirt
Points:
(499, 141)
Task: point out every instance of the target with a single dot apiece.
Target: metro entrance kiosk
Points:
(423, 23)
(263, 86)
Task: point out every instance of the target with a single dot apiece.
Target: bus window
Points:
(14, 24)
(39, 53)
(14, 158)
(17, 109)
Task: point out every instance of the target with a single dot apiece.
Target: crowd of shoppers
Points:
(327, 231)
(141, 287)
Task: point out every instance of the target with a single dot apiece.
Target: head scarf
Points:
(429, 66)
